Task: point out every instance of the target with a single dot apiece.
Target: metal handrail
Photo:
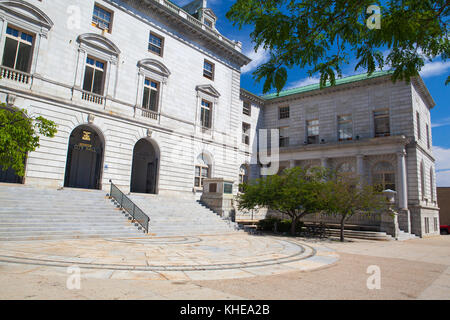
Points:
(129, 206)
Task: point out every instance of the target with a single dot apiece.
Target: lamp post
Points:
(390, 196)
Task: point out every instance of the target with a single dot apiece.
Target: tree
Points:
(346, 196)
(19, 134)
(296, 193)
(324, 34)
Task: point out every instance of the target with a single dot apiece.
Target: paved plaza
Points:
(225, 267)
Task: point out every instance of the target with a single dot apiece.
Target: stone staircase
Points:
(181, 216)
(402, 236)
(43, 214)
(370, 235)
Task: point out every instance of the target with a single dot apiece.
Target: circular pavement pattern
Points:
(174, 258)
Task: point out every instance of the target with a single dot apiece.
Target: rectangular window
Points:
(284, 137)
(94, 76)
(208, 23)
(228, 188)
(436, 225)
(208, 70)
(205, 115)
(428, 137)
(213, 188)
(247, 109)
(382, 126)
(283, 112)
(201, 173)
(156, 44)
(18, 50)
(245, 133)
(345, 127)
(151, 94)
(418, 126)
(312, 131)
(102, 18)
(427, 225)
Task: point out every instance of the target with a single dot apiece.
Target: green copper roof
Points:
(312, 87)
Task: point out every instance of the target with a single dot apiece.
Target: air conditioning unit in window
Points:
(103, 26)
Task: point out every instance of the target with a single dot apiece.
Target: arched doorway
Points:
(84, 159)
(144, 173)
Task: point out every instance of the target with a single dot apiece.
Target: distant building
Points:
(443, 197)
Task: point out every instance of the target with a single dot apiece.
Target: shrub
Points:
(282, 225)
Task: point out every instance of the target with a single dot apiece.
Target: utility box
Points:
(218, 196)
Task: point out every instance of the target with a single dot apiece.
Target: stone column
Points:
(360, 164)
(292, 164)
(360, 167)
(82, 55)
(324, 162)
(110, 79)
(402, 191)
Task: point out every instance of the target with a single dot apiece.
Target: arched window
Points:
(24, 27)
(383, 176)
(97, 67)
(346, 169)
(202, 170)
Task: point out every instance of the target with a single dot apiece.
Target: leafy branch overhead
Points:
(20, 134)
(322, 36)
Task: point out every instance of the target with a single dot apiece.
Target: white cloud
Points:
(303, 82)
(435, 68)
(259, 57)
(442, 156)
(441, 123)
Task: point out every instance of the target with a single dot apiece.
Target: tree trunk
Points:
(294, 224)
(342, 228)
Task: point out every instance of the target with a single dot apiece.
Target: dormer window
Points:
(208, 23)
(18, 50)
(102, 18)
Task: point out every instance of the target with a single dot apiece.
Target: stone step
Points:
(62, 214)
(49, 236)
(28, 213)
(369, 235)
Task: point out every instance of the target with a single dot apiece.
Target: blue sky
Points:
(434, 75)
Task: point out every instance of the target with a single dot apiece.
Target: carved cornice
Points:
(209, 90)
(423, 91)
(27, 12)
(185, 23)
(99, 42)
(247, 95)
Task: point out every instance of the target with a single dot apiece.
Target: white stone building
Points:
(147, 94)
(368, 126)
(124, 81)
